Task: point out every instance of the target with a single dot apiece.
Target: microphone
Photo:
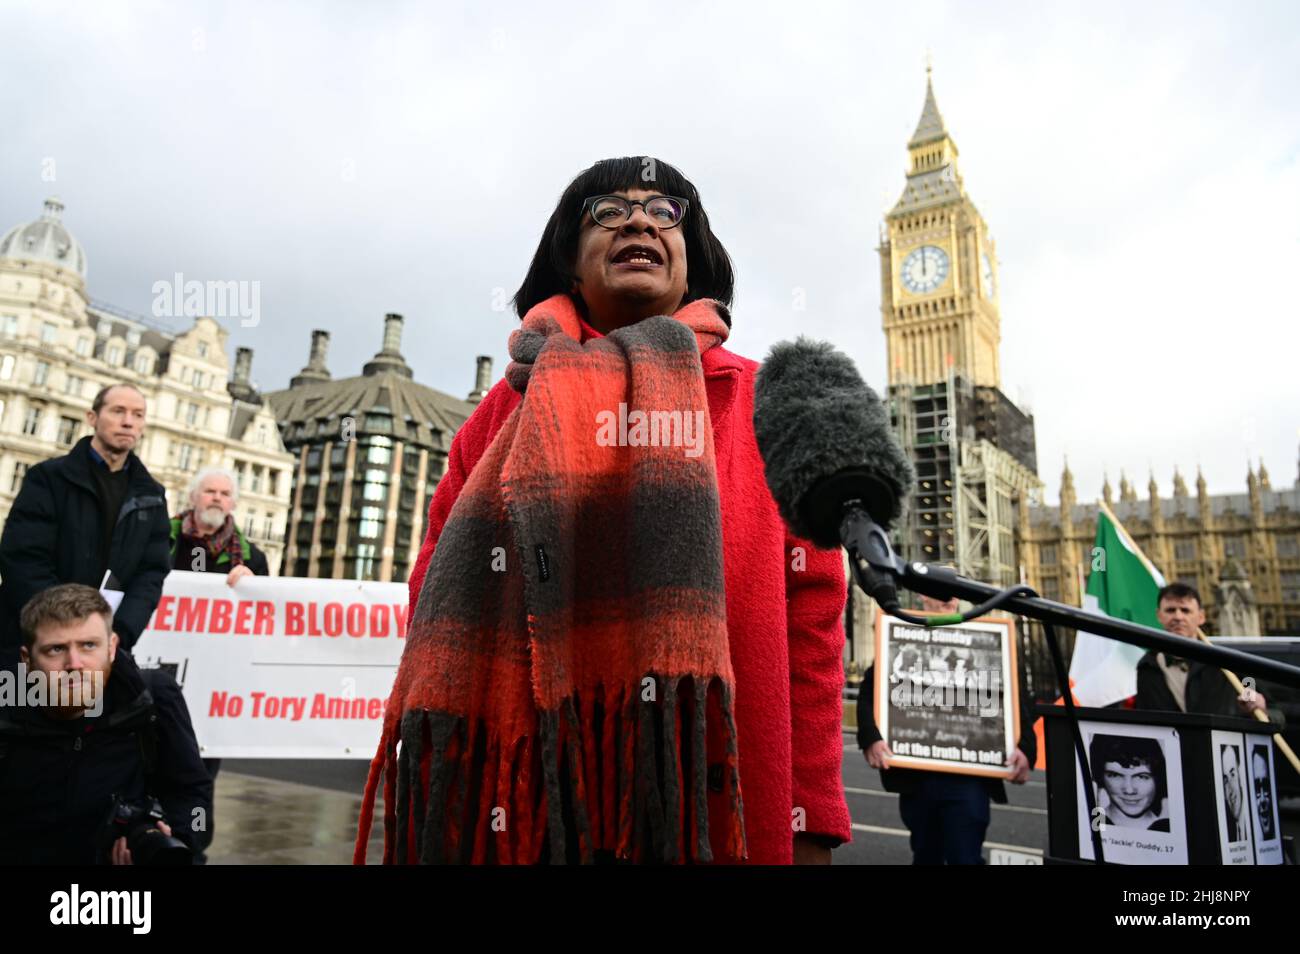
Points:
(831, 461)
(825, 440)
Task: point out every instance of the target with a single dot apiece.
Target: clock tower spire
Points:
(938, 264)
(930, 146)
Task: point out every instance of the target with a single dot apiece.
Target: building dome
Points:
(45, 240)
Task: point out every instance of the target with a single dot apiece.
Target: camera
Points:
(137, 820)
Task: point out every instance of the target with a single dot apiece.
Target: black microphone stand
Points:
(878, 570)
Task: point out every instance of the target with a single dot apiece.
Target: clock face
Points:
(986, 275)
(925, 269)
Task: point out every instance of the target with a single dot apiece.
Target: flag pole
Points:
(1259, 715)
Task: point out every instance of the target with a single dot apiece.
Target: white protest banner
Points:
(280, 667)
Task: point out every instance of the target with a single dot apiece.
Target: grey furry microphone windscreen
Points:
(825, 438)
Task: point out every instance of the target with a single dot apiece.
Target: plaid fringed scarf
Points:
(569, 646)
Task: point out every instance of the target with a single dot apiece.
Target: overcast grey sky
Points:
(1138, 165)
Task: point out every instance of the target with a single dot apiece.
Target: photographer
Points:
(79, 773)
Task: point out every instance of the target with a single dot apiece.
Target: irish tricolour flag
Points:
(1122, 583)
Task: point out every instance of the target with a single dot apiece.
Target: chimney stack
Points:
(392, 333)
(241, 387)
(482, 379)
(315, 370)
(320, 342)
(389, 358)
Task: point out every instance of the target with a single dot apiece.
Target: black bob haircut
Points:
(708, 266)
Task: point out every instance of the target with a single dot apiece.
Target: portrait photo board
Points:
(1262, 799)
(1159, 837)
(947, 697)
(1178, 757)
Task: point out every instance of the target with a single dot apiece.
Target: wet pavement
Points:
(269, 821)
(273, 817)
(303, 812)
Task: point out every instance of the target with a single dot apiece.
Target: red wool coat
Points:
(785, 621)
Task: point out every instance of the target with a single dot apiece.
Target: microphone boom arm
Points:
(868, 544)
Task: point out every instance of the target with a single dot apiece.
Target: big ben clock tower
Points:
(938, 269)
(972, 448)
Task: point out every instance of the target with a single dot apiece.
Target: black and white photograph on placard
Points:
(1135, 772)
(947, 700)
(1231, 795)
(1131, 781)
(1263, 800)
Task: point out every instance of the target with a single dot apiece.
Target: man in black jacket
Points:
(64, 757)
(946, 813)
(1171, 684)
(77, 516)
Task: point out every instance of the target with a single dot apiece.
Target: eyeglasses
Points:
(611, 211)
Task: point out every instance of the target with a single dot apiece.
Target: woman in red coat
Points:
(680, 698)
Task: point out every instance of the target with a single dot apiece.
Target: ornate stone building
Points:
(370, 450)
(58, 348)
(1240, 549)
(973, 449)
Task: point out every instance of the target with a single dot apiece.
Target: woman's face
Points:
(1132, 789)
(618, 291)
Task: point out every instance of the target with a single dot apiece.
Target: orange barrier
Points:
(1040, 761)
